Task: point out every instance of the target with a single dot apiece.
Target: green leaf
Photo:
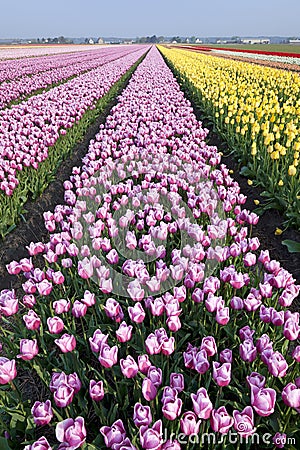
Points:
(292, 246)
(246, 172)
(3, 444)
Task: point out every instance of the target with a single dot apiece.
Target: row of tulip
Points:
(36, 134)
(256, 109)
(62, 70)
(14, 52)
(16, 68)
(265, 57)
(155, 315)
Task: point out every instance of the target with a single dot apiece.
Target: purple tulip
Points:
(142, 415)
(40, 444)
(171, 445)
(177, 381)
(72, 432)
(113, 435)
(222, 373)
(151, 438)
(74, 382)
(248, 351)
(79, 309)
(263, 400)
(279, 440)
(149, 390)
(42, 412)
(96, 390)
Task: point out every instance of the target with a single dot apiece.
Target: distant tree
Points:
(62, 40)
(192, 39)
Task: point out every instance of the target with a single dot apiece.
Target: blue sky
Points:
(131, 18)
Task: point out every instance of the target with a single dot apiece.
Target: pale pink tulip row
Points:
(16, 68)
(30, 128)
(42, 77)
(14, 52)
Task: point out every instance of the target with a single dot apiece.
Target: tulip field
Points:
(150, 318)
(256, 109)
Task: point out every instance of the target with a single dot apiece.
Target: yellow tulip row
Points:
(257, 110)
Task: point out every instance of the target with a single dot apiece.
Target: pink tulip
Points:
(97, 340)
(55, 325)
(209, 345)
(129, 367)
(172, 408)
(291, 395)
(8, 370)
(108, 356)
(66, 343)
(79, 309)
(144, 363)
(189, 424)
(202, 404)
(244, 422)
(220, 420)
(61, 306)
(32, 320)
(149, 390)
(277, 365)
(9, 304)
(28, 349)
